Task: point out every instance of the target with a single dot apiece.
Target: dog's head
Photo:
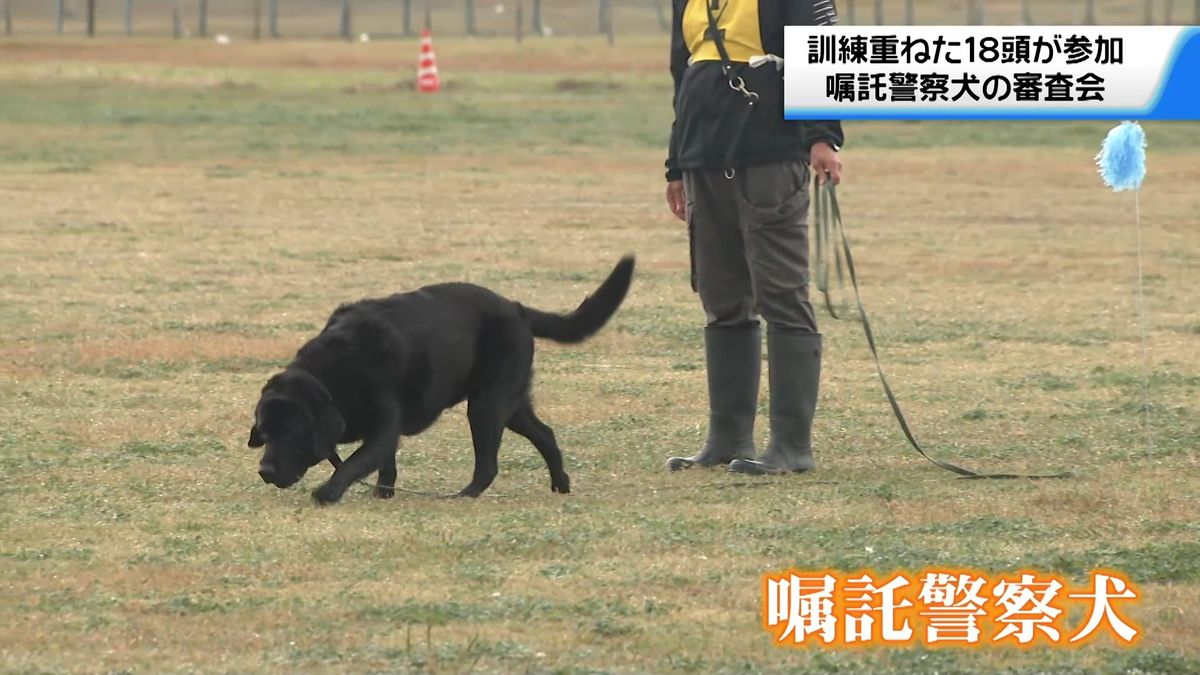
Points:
(298, 423)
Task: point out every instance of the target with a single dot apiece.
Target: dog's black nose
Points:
(267, 471)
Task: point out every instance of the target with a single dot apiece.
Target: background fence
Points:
(350, 19)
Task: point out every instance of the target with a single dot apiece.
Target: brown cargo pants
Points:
(749, 244)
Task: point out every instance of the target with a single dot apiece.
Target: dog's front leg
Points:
(385, 488)
(363, 462)
(377, 450)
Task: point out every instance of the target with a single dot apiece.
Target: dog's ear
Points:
(309, 408)
(274, 416)
(330, 427)
(256, 438)
(328, 422)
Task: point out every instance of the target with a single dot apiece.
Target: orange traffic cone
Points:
(427, 74)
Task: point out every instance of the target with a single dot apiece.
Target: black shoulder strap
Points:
(736, 83)
(715, 34)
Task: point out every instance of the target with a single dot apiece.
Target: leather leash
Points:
(829, 233)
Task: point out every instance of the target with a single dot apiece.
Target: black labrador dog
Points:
(388, 367)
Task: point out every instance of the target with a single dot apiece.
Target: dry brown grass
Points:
(557, 56)
(634, 19)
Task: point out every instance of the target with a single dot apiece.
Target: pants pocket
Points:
(775, 195)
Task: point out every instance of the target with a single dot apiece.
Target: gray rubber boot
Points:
(733, 358)
(794, 361)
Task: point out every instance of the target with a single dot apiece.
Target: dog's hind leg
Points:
(526, 423)
(503, 369)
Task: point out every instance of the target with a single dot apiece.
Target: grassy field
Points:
(177, 219)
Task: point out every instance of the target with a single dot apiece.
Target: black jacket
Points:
(707, 110)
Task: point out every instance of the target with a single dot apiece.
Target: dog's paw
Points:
(384, 492)
(561, 484)
(326, 494)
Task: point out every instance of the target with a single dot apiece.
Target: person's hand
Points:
(825, 163)
(676, 199)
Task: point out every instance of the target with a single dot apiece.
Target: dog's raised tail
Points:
(591, 314)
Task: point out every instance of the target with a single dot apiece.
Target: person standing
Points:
(738, 174)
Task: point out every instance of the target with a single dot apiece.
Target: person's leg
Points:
(774, 211)
(732, 338)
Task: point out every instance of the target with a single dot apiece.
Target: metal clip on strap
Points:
(739, 85)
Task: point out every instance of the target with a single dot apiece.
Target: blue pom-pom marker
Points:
(1122, 158)
(1122, 162)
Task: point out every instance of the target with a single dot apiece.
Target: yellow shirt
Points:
(737, 18)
